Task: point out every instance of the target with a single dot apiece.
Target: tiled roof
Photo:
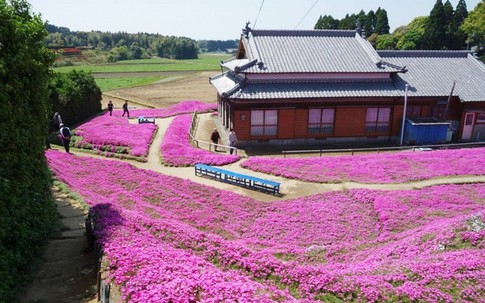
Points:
(432, 73)
(313, 51)
(300, 90)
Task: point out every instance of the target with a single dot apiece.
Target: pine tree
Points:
(436, 28)
(370, 24)
(461, 13)
(382, 22)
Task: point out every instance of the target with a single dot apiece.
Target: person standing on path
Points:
(65, 134)
(232, 141)
(125, 110)
(215, 138)
(57, 120)
(110, 107)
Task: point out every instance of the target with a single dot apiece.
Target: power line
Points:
(306, 13)
(260, 8)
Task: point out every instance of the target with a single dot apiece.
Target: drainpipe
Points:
(404, 113)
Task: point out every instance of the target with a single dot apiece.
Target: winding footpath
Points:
(290, 188)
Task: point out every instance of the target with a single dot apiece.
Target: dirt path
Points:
(66, 271)
(290, 188)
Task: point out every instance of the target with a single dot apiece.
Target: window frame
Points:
(378, 124)
(268, 129)
(323, 126)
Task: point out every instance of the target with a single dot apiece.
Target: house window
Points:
(438, 111)
(480, 117)
(413, 111)
(264, 122)
(320, 120)
(377, 119)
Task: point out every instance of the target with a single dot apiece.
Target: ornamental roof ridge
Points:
(424, 53)
(303, 33)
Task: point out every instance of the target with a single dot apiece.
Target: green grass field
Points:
(205, 62)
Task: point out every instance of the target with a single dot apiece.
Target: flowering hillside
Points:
(177, 151)
(171, 240)
(376, 168)
(114, 134)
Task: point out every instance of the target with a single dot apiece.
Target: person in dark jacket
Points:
(215, 138)
(57, 120)
(65, 134)
(125, 109)
(110, 107)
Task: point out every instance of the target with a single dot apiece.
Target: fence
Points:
(198, 143)
(381, 149)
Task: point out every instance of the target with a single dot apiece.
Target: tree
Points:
(327, 22)
(27, 211)
(412, 36)
(461, 13)
(370, 23)
(474, 27)
(436, 27)
(448, 22)
(382, 22)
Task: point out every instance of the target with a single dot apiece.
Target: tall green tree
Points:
(436, 27)
(327, 22)
(474, 27)
(459, 16)
(27, 211)
(382, 22)
(370, 23)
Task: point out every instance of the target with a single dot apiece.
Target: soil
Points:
(67, 271)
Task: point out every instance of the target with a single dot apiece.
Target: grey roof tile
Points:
(313, 51)
(299, 90)
(432, 73)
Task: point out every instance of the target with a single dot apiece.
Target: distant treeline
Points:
(124, 46)
(444, 28)
(217, 45)
(370, 23)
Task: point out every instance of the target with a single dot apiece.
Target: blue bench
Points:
(230, 177)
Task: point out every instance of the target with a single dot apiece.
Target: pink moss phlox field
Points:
(171, 240)
(177, 151)
(116, 132)
(184, 107)
(398, 167)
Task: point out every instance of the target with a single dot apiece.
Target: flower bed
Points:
(172, 240)
(376, 168)
(177, 151)
(113, 135)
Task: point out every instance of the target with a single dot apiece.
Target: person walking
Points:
(57, 120)
(215, 138)
(65, 133)
(110, 107)
(232, 141)
(125, 109)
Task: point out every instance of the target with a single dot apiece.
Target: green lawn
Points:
(205, 62)
(107, 84)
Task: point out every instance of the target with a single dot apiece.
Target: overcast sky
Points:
(217, 19)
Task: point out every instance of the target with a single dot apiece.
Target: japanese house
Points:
(299, 86)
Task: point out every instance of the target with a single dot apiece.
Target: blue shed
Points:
(420, 131)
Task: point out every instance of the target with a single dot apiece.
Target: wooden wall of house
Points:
(350, 121)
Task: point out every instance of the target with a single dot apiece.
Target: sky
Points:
(217, 19)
